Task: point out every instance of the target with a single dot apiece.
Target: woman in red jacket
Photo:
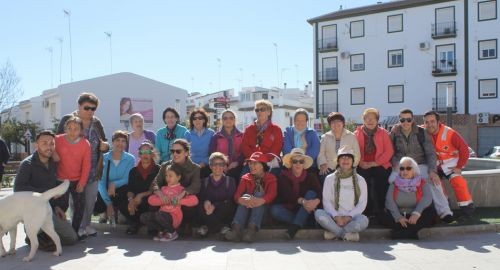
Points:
(375, 164)
(263, 136)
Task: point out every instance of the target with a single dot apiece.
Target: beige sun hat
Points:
(297, 152)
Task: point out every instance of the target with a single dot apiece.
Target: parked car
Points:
(494, 152)
(472, 153)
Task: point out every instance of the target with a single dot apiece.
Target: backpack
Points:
(205, 181)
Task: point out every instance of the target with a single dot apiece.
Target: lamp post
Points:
(49, 49)
(277, 65)
(109, 34)
(68, 13)
(60, 58)
(283, 70)
(449, 104)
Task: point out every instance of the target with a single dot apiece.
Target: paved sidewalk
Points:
(114, 250)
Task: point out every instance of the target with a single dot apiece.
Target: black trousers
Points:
(143, 207)
(426, 220)
(158, 221)
(222, 216)
(78, 204)
(377, 183)
(100, 205)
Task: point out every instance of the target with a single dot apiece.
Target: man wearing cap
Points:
(256, 189)
(299, 192)
(344, 200)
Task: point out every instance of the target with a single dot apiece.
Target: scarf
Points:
(229, 138)
(295, 180)
(370, 144)
(408, 185)
(339, 176)
(259, 183)
(261, 129)
(299, 138)
(144, 172)
(170, 135)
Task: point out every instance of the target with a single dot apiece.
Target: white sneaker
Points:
(224, 230)
(328, 235)
(90, 231)
(353, 237)
(82, 232)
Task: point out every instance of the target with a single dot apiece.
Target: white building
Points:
(146, 96)
(409, 54)
(406, 54)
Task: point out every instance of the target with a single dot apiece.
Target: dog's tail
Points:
(57, 191)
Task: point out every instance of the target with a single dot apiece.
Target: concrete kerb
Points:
(317, 234)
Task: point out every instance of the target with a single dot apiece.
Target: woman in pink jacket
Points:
(375, 164)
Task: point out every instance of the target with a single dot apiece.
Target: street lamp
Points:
(49, 49)
(68, 13)
(277, 64)
(109, 34)
(283, 70)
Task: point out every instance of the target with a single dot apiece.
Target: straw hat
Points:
(297, 152)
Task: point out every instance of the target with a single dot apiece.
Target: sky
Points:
(201, 46)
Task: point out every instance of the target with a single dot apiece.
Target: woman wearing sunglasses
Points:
(263, 136)
(228, 141)
(299, 192)
(408, 202)
(190, 180)
(137, 189)
(200, 136)
(93, 131)
(167, 135)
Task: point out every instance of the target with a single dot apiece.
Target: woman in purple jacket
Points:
(228, 141)
(138, 135)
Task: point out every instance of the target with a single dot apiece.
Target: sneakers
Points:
(158, 236)
(90, 231)
(328, 235)
(468, 210)
(234, 234)
(224, 230)
(201, 231)
(167, 237)
(352, 237)
(249, 234)
(448, 219)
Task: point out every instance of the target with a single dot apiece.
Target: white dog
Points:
(33, 209)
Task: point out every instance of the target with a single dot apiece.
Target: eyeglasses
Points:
(257, 110)
(298, 161)
(402, 120)
(228, 118)
(198, 118)
(218, 164)
(146, 151)
(409, 168)
(88, 108)
(176, 151)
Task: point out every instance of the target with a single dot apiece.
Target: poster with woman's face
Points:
(129, 106)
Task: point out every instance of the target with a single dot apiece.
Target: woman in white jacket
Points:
(344, 200)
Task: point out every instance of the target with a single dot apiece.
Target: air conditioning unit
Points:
(45, 103)
(424, 46)
(344, 55)
(483, 118)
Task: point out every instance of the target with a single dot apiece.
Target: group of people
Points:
(180, 179)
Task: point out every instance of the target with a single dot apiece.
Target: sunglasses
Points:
(298, 161)
(198, 118)
(218, 164)
(228, 118)
(88, 108)
(402, 120)
(405, 168)
(146, 151)
(176, 151)
(260, 110)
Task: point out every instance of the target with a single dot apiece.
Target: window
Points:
(445, 58)
(443, 98)
(487, 49)
(357, 62)
(395, 94)
(488, 88)
(487, 10)
(357, 29)
(358, 96)
(395, 58)
(265, 96)
(329, 72)
(329, 101)
(395, 23)
(329, 37)
(444, 25)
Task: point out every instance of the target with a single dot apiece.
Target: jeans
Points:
(90, 199)
(256, 214)
(299, 218)
(357, 224)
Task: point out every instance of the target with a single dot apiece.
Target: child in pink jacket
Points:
(169, 217)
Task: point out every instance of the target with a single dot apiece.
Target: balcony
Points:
(326, 108)
(439, 105)
(443, 30)
(327, 45)
(444, 67)
(328, 76)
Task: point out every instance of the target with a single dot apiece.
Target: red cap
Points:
(259, 157)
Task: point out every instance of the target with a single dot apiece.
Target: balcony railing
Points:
(439, 105)
(327, 44)
(326, 108)
(328, 76)
(444, 30)
(444, 67)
